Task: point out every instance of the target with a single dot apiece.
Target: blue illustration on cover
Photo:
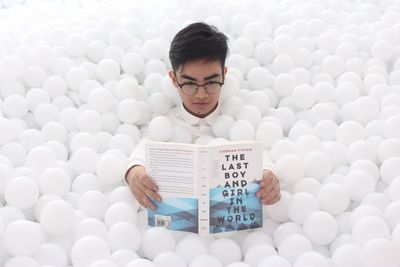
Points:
(233, 209)
(180, 214)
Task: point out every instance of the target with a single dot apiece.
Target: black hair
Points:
(198, 41)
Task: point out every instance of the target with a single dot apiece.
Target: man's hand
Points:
(142, 187)
(269, 192)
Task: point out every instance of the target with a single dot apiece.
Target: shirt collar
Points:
(192, 119)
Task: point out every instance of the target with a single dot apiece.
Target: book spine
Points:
(204, 191)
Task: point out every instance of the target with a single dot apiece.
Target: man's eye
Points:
(190, 85)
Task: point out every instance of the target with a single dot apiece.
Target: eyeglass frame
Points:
(180, 85)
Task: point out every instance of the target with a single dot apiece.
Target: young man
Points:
(197, 55)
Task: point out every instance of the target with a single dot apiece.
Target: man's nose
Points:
(201, 92)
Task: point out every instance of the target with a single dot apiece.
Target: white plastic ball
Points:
(128, 111)
(368, 228)
(317, 165)
(249, 113)
(21, 192)
(259, 78)
(12, 67)
(283, 44)
(190, 247)
(277, 261)
(333, 198)
(303, 96)
(133, 63)
(242, 130)
(57, 217)
(51, 254)
(366, 109)
(169, 259)
(22, 261)
(286, 116)
(360, 150)
(90, 121)
(346, 93)
(359, 184)
(205, 260)
(89, 249)
(255, 254)
(307, 185)
(391, 127)
(268, 133)
(159, 103)
(347, 255)
(153, 49)
(55, 86)
(93, 203)
(293, 246)
(120, 212)
(391, 215)
(123, 256)
(301, 205)
(22, 238)
(320, 227)
(107, 70)
(90, 227)
(124, 235)
(75, 77)
(284, 84)
(380, 252)
(46, 113)
(279, 210)
(110, 168)
(311, 258)
(140, 263)
(256, 30)
(254, 238)
(101, 100)
(54, 181)
(226, 250)
(151, 245)
(15, 106)
(160, 128)
(77, 44)
(290, 168)
(349, 132)
(333, 65)
(88, 165)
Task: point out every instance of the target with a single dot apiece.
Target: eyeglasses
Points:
(191, 88)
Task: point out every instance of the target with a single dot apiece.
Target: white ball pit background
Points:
(317, 82)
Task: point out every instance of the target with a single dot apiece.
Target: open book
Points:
(206, 189)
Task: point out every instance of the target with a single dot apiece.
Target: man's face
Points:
(200, 72)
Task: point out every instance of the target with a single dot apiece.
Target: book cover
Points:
(206, 189)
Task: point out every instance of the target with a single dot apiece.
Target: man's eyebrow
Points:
(212, 76)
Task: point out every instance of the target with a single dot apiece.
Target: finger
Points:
(146, 181)
(275, 199)
(154, 195)
(268, 178)
(269, 186)
(267, 196)
(143, 199)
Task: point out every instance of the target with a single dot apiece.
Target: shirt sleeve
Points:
(137, 156)
(268, 164)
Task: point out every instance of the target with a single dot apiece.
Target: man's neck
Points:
(202, 115)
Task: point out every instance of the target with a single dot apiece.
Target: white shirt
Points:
(179, 116)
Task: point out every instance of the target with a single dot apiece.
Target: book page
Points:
(172, 167)
(204, 189)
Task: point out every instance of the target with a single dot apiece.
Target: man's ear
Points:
(172, 76)
(225, 70)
